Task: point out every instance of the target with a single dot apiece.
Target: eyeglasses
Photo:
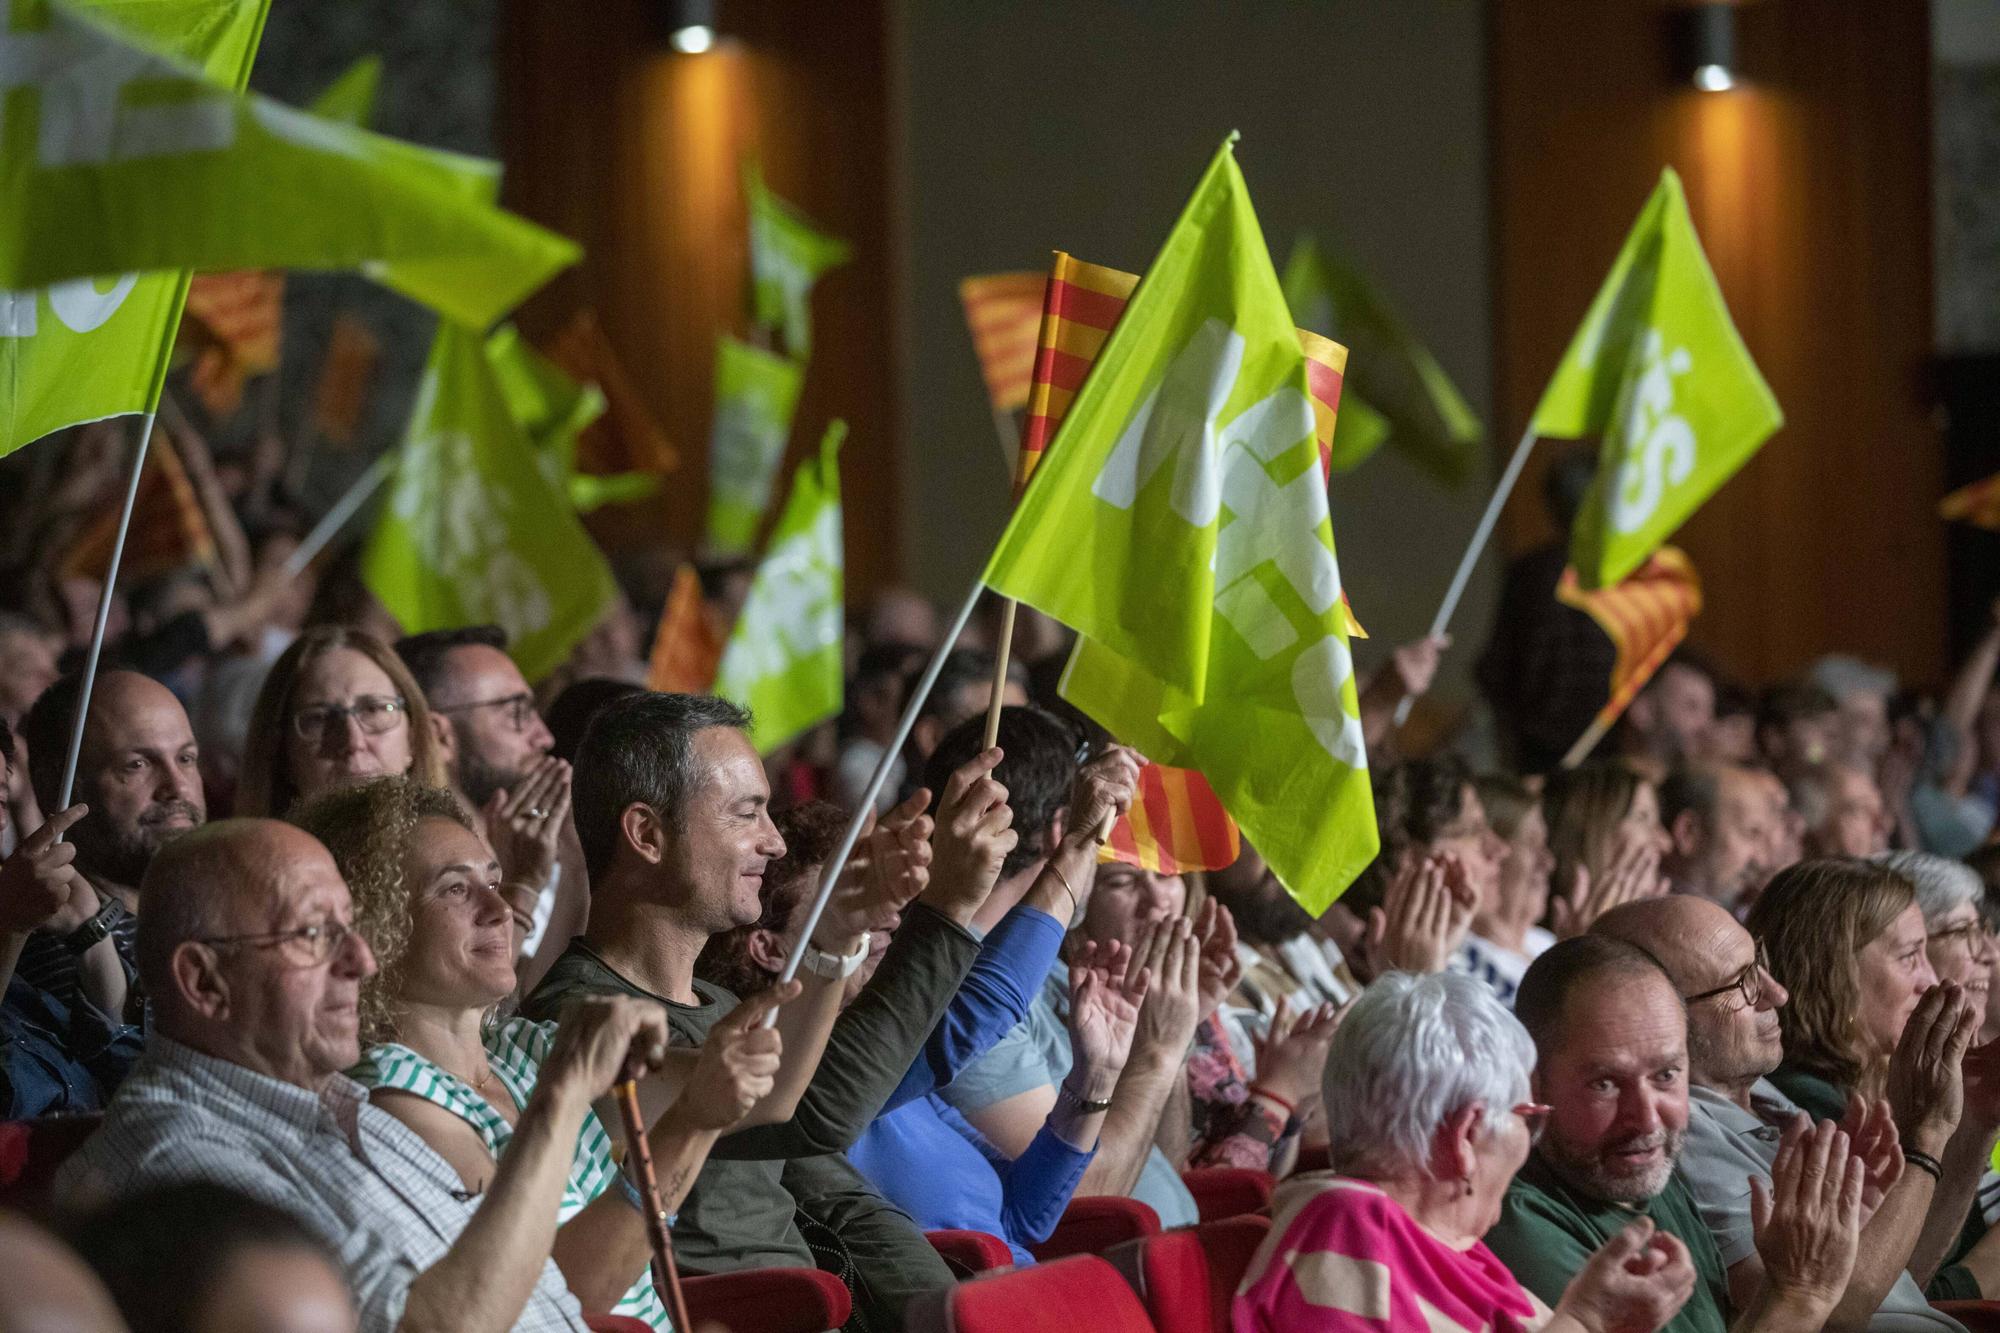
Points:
(373, 713)
(1970, 935)
(307, 946)
(1749, 982)
(1535, 1116)
(520, 708)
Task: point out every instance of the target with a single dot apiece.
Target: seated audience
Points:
(1428, 1117)
(1737, 1117)
(569, 713)
(253, 968)
(1846, 939)
(671, 804)
(1506, 935)
(495, 750)
(1669, 720)
(1841, 811)
(1610, 1036)
(1795, 726)
(1607, 839)
(1715, 815)
(338, 708)
(1859, 734)
(1956, 937)
(203, 1256)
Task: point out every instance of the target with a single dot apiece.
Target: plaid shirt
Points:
(388, 1204)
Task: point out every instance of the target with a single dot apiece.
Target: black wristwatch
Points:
(86, 936)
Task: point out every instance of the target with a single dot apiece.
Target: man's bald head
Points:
(1678, 929)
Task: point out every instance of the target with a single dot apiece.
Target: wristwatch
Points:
(90, 933)
(833, 966)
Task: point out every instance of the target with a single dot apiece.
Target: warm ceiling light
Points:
(1705, 41)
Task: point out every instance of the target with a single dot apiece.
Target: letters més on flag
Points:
(1186, 479)
(783, 659)
(1646, 615)
(1658, 371)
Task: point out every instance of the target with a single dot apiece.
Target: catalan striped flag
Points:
(1646, 614)
(237, 322)
(687, 648)
(1977, 504)
(628, 437)
(169, 531)
(1176, 824)
(1004, 312)
(345, 377)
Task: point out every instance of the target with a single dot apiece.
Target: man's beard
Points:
(479, 780)
(122, 855)
(1592, 1175)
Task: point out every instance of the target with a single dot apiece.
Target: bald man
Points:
(249, 957)
(140, 773)
(1735, 1114)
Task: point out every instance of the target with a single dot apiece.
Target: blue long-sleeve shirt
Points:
(926, 1158)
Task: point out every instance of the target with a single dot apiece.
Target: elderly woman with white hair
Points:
(1428, 1116)
(1952, 899)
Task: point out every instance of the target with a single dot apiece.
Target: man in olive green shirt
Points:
(1611, 1042)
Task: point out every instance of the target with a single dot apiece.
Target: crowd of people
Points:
(345, 937)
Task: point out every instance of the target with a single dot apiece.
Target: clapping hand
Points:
(1807, 1218)
(1106, 994)
(1872, 1136)
(1423, 918)
(525, 824)
(1634, 874)
(1220, 968)
(1291, 1056)
(883, 877)
(975, 832)
(1635, 1283)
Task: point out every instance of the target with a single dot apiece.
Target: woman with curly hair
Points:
(438, 1056)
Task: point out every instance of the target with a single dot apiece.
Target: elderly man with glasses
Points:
(1736, 1117)
(497, 751)
(248, 952)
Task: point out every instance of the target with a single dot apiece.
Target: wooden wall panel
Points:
(634, 150)
(1811, 188)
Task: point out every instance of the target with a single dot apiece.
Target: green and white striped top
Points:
(515, 1050)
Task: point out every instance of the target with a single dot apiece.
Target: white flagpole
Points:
(336, 518)
(103, 614)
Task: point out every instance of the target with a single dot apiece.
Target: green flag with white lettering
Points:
(116, 157)
(90, 348)
(1658, 371)
(783, 661)
(787, 255)
(1395, 391)
(1179, 523)
(473, 531)
(755, 393)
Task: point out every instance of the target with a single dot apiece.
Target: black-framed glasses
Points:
(312, 944)
(520, 708)
(1749, 982)
(373, 713)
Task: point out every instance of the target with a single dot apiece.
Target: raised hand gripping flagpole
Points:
(1480, 536)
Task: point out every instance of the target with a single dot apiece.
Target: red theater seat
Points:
(1977, 1316)
(769, 1300)
(1229, 1191)
(1081, 1294)
(30, 1152)
(1186, 1278)
(1093, 1224)
(971, 1251)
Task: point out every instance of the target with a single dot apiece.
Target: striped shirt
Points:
(515, 1051)
(373, 1190)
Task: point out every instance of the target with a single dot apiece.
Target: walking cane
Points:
(665, 1275)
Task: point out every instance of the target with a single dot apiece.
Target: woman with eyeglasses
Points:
(1428, 1117)
(437, 1056)
(338, 708)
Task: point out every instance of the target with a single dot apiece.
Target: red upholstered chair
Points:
(1229, 1191)
(769, 1300)
(971, 1252)
(1977, 1316)
(1094, 1223)
(616, 1323)
(1081, 1294)
(1186, 1278)
(30, 1152)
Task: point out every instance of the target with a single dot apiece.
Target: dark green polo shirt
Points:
(1547, 1232)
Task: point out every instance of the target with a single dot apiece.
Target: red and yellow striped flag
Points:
(687, 648)
(237, 322)
(352, 354)
(1977, 504)
(1646, 614)
(1004, 312)
(169, 531)
(1176, 824)
(627, 438)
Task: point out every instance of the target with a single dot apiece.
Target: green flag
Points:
(117, 157)
(783, 661)
(91, 348)
(553, 409)
(1658, 371)
(1179, 523)
(755, 392)
(1402, 394)
(472, 531)
(787, 255)
(350, 98)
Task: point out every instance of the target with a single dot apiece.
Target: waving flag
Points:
(1185, 479)
(1658, 371)
(783, 660)
(474, 531)
(1646, 615)
(686, 647)
(627, 438)
(787, 255)
(345, 377)
(238, 323)
(169, 530)
(143, 162)
(755, 394)
(1004, 312)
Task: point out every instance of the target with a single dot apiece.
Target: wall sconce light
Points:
(1705, 46)
(689, 25)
